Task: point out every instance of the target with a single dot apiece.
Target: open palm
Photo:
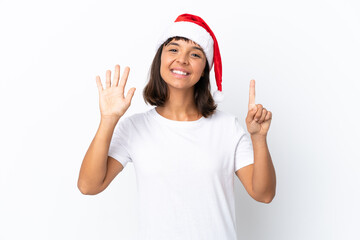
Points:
(111, 99)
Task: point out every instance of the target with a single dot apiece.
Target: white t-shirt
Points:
(185, 173)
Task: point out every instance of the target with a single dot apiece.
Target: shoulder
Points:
(222, 116)
(136, 119)
(229, 122)
(223, 120)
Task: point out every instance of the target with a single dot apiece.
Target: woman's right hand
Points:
(113, 104)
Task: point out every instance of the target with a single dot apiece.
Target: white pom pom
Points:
(218, 96)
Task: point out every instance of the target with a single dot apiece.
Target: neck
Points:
(180, 106)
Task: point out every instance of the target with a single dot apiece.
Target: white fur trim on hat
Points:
(193, 32)
(218, 96)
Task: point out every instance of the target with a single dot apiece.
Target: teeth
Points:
(179, 72)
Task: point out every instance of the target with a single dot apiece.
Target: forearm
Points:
(264, 178)
(94, 166)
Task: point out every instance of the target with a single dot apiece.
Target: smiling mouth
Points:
(180, 72)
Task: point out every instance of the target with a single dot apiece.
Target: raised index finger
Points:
(252, 94)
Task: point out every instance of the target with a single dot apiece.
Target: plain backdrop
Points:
(303, 55)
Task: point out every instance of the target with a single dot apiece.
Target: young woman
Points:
(185, 152)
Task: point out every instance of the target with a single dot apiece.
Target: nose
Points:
(182, 58)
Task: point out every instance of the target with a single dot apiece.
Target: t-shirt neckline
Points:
(170, 122)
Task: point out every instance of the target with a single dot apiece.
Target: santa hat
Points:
(196, 29)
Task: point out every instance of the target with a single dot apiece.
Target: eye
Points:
(196, 55)
(172, 50)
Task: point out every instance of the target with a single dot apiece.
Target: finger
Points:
(263, 115)
(98, 83)
(258, 112)
(124, 78)
(108, 77)
(252, 94)
(116, 75)
(251, 113)
(130, 94)
(268, 116)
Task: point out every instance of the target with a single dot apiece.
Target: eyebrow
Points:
(172, 43)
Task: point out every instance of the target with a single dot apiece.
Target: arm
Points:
(97, 169)
(264, 178)
(259, 178)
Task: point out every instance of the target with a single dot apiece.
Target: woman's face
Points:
(182, 64)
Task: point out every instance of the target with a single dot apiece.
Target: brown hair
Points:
(156, 91)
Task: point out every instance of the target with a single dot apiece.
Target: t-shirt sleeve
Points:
(244, 153)
(119, 144)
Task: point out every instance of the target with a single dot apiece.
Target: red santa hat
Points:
(196, 29)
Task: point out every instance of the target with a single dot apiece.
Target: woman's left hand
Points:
(258, 118)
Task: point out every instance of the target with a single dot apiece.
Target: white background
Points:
(303, 55)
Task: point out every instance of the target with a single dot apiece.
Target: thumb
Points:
(252, 111)
(130, 94)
